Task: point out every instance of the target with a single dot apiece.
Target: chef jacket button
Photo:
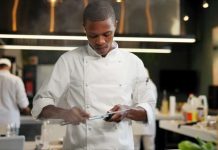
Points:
(130, 122)
(86, 84)
(89, 128)
(87, 106)
(115, 126)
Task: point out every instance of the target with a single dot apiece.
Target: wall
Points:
(203, 53)
(34, 16)
(215, 68)
(197, 56)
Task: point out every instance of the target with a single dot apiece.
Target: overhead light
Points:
(205, 4)
(65, 48)
(81, 38)
(54, 1)
(29, 47)
(186, 18)
(119, 1)
(42, 37)
(148, 50)
(156, 39)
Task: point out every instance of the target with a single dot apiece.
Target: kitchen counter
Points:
(32, 146)
(191, 131)
(158, 115)
(29, 120)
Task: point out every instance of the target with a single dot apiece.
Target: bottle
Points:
(172, 109)
(44, 135)
(203, 106)
(164, 105)
(194, 106)
(8, 130)
(190, 109)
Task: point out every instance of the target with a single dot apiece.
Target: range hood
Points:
(64, 17)
(29, 23)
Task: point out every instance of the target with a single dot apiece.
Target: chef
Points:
(93, 80)
(13, 97)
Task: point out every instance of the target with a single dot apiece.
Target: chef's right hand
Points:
(75, 116)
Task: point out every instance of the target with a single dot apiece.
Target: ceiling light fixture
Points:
(119, 1)
(82, 38)
(186, 18)
(205, 4)
(65, 48)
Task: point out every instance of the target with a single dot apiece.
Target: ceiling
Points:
(146, 18)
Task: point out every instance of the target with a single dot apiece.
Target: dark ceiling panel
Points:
(33, 16)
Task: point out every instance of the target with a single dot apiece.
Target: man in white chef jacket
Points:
(93, 80)
(13, 98)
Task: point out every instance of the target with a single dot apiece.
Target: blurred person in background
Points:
(145, 132)
(95, 79)
(13, 98)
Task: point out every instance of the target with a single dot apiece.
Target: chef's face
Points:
(100, 35)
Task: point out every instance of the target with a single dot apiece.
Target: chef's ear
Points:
(116, 23)
(84, 30)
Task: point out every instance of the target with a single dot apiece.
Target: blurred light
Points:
(30, 47)
(52, 1)
(84, 38)
(186, 18)
(156, 39)
(65, 48)
(148, 50)
(205, 4)
(119, 1)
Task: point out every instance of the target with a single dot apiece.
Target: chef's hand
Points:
(75, 116)
(117, 117)
(136, 113)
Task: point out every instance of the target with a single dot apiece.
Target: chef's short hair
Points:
(98, 10)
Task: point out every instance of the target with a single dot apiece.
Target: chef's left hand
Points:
(136, 113)
(117, 117)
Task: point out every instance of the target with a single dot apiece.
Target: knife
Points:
(106, 116)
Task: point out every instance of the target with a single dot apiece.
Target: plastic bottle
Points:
(172, 108)
(193, 101)
(190, 109)
(44, 135)
(203, 105)
(164, 105)
(8, 130)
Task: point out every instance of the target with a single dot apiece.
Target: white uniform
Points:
(96, 84)
(143, 131)
(12, 95)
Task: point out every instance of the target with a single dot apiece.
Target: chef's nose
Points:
(100, 40)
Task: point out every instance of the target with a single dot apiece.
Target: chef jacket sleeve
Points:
(53, 88)
(144, 94)
(21, 96)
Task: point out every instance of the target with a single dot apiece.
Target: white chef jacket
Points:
(12, 95)
(140, 128)
(143, 131)
(95, 84)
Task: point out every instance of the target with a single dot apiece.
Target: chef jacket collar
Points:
(92, 52)
(4, 72)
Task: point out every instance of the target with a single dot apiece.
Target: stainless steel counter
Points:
(29, 120)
